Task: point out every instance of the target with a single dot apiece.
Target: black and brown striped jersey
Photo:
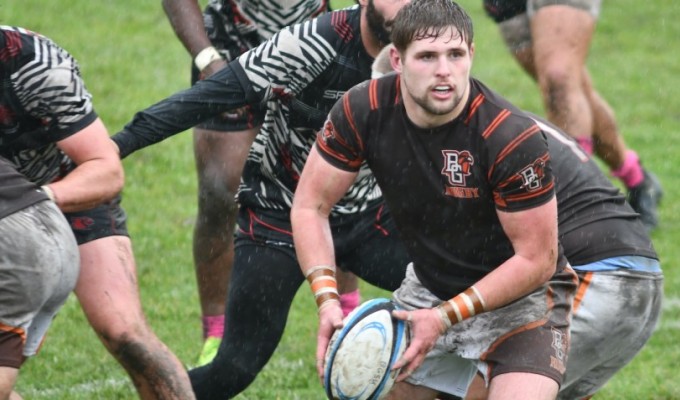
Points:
(299, 74)
(595, 221)
(43, 100)
(444, 185)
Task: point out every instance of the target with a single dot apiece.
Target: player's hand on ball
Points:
(426, 326)
(330, 319)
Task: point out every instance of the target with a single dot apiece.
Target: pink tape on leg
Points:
(586, 144)
(349, 301)
(630, 172)
(213, 326)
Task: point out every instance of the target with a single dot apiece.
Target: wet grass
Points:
(131, 58)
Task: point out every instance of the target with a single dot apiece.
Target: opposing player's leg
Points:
(220, 157)
(644, 189)
(108, 293)
(264, 281)
(561, 38)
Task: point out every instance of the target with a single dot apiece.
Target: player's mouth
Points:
(442, 91)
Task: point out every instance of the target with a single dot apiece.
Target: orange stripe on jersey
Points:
(512, 146)
(347, 107)
(331, 152)
(582, 288)
(373, 94)
(495, 123)
(15, 330)
(474, 106)
(529, 195)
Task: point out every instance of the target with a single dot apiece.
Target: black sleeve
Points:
(221, 92)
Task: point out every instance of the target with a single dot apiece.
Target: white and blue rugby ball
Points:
(360, 356)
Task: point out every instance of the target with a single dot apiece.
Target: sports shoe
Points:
(209, 350)
(645, 197)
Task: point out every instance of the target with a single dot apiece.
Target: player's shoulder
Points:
(494, 117)
(375, 94)
(339, 26)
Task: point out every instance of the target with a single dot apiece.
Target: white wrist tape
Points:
(206, 56)
(48, 191)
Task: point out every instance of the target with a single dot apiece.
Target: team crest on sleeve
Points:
(328, 131)
(457, 167)
(533, 174)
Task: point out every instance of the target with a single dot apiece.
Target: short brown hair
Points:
(422, 19)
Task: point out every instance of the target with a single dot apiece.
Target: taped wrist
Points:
(465, 305)
(205, 57)
(321, 278)
(48, 191)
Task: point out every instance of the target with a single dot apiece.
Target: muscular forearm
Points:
(90, 184)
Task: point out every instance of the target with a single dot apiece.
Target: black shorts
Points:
(108, 219)
(502, 10)
(366, 243)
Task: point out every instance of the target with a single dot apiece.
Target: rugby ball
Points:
(360, 356)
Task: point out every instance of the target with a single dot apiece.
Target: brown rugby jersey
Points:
(444, 185)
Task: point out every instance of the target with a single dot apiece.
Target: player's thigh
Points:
(107, 287)
(613, 319)
(522, 385)
(220, 156)
(264, 280)
(8, 378)
(561, 33)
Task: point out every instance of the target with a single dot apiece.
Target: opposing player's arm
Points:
(186, 20)
(181, 111)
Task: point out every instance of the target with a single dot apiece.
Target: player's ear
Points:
(472, 50)
(395, 59)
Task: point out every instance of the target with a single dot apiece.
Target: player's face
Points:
(435, 76)
(380, 14)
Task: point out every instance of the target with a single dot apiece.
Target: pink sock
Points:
(349, 301)
(213, 326)
(630, 172)
(586, 144)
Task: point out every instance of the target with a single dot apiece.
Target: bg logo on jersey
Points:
(457, 166)
(532, 175)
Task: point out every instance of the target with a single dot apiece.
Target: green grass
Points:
(131, 58)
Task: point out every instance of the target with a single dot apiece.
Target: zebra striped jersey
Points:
(43, 100)
(298, 75)
(302, 71)
(266, 17)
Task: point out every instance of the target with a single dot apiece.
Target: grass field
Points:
(131, 58)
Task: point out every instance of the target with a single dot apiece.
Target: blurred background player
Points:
(38, 270)
(225, 30)
(50, 131)
(550, 40)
